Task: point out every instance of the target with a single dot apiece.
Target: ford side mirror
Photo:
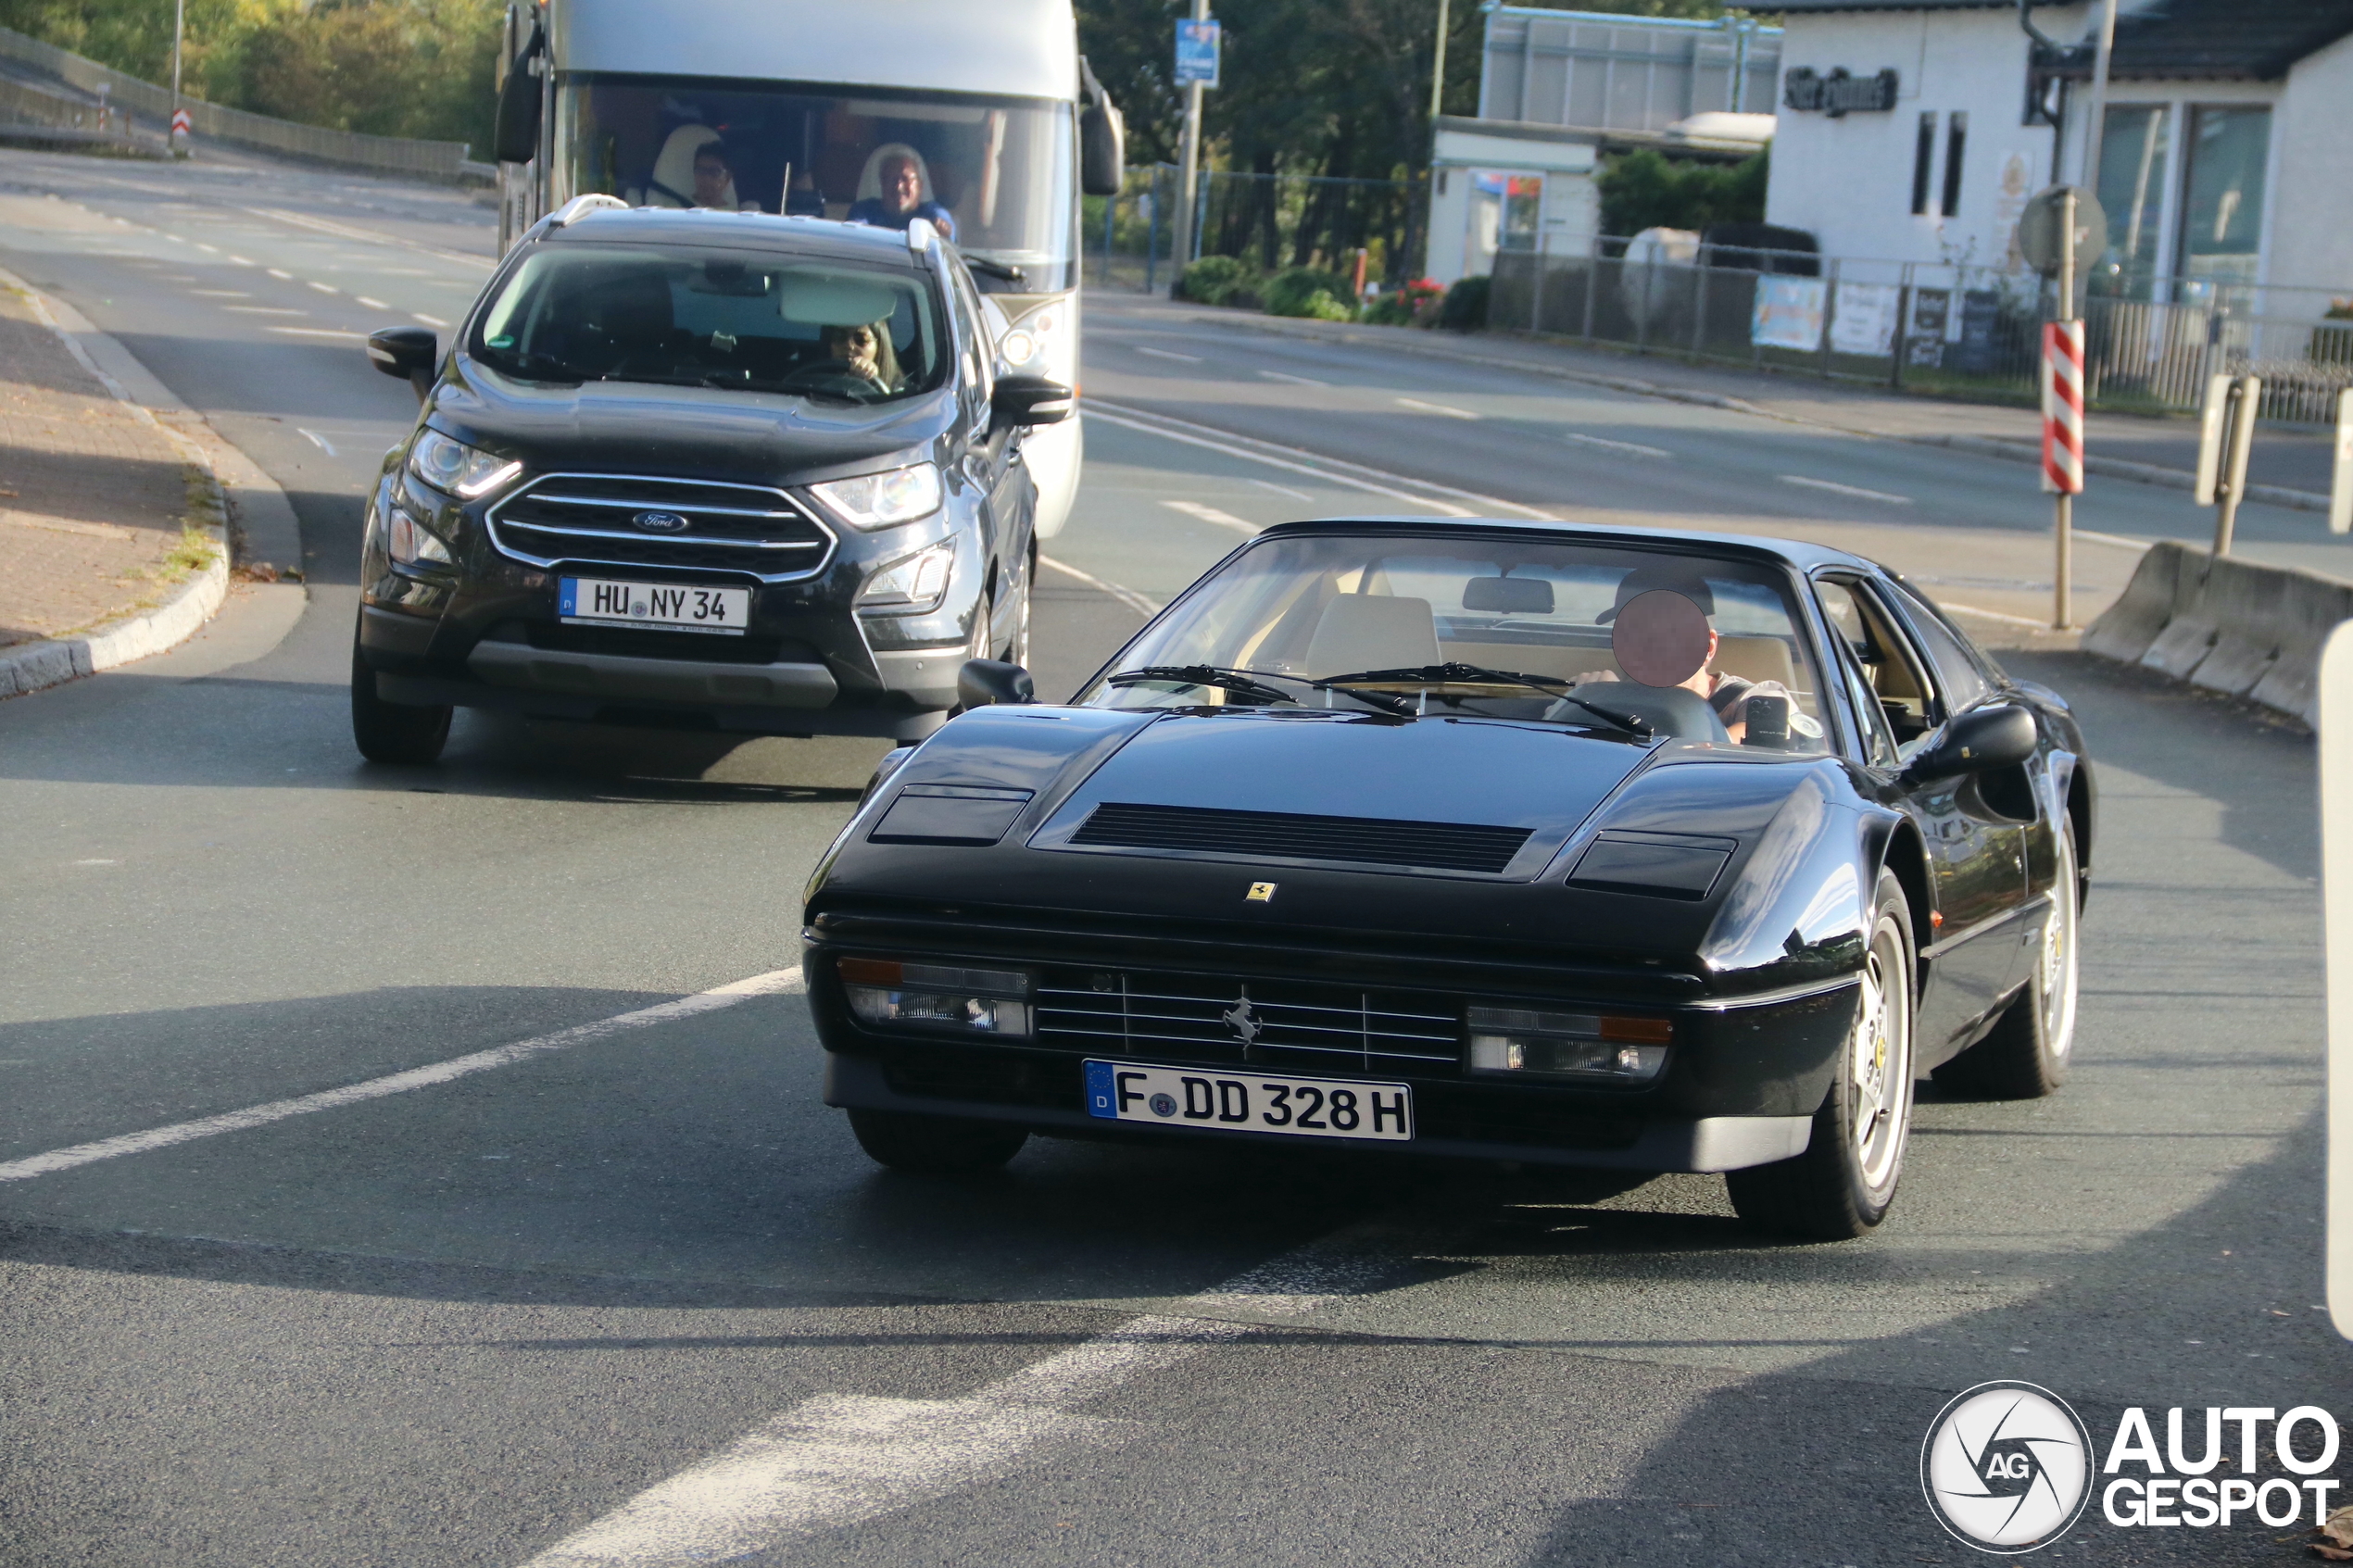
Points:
(986, 683)
(515, 134)
(408, 353)
(1032, 400)
(1977, 743)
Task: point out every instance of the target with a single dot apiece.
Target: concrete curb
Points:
(2225, 625)
(1414, 340)
(32, 666)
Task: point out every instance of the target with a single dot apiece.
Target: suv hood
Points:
(687, 431)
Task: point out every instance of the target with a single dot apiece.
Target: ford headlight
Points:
(457, 469)
(963, 1001)
(882, 500)
(913, 586)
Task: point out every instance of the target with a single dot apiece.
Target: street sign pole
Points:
(2063, 421)
(179, 32)
(1188, 166)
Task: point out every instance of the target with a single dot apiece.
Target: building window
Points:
(2223, 193)
(1955, 142)
(2134, 149)
(1923, 158)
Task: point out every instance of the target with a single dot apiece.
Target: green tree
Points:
(1644, 189)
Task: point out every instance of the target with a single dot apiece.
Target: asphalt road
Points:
(589, 1292)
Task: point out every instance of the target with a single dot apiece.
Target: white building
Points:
(1915, 130)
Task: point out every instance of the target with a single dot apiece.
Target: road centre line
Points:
(1447, 410)
(428, 321)
(1127, 596)
(367, 236)
(319, 331)
(326, 288)
(1282, 490)
(777, 982)
(836, 1459)
(1332, 471)
(1607, 444)
(371, 304)
(1838, 489)
(1295, 381)
(264, 310)
(275, 272)
(1212, 514)
(1165, 354)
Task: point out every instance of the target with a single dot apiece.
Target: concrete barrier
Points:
(2228, 625)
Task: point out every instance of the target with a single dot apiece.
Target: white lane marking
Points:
(369, 236)
(1837, 489)
(1331, 470)
(1165, 354)
(97, 862)
(1995, 615)
(1127, 596)
(1604, 444)
(319, 331)
(220, 294)
(430, 321)
(1446, 409)
(319, 441)
(265, 310)
(2138, 547)
(326, 288)
(371, 304)
(174, 238)
(837, 1458)
(240, 262)
(1295, 381)
(1210, 514)
(213, 249)
(774, 983)
(1282, 490)
(276, 272)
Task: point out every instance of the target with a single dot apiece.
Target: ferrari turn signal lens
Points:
(971, 1002)
(1538, 1042)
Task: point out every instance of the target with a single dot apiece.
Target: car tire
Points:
(1843, 1184)
(2025, 1056)
(934, 1146)
(393, 732)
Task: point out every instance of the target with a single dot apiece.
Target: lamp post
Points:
(1188, 166)
(179, 32)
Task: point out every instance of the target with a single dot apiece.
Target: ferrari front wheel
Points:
(1843, 1184)
(934, 1146)
(2025, 1054)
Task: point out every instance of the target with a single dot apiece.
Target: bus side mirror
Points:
(516, 137)
(1103, 144)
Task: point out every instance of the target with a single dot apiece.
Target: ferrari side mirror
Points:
(1977, 743)
(985, 683)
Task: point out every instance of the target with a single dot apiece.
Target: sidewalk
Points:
(2288, 467)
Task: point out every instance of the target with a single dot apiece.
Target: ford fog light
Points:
(965, 1001)
(913, 586)
(410, 541)
(1527, 1042)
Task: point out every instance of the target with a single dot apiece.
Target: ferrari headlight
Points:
(882, 500)
(1538, 1043)
(912, 586)
(965, 1001)
(410, 541)
(457, 469)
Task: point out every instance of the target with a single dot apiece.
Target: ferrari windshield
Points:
(734, 318)
(1574, 634)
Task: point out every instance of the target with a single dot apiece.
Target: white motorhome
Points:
(982, 118)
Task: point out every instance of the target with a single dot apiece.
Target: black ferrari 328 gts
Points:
(1618, 848)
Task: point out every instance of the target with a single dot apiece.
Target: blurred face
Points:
(710, 179)
(855, 347)
(902, 186)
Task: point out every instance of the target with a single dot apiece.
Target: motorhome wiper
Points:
(997, 270)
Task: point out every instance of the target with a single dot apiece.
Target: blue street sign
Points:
(1197, 53)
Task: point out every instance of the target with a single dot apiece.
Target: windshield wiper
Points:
(988, 268)
(1433, 674)
(1241, 682)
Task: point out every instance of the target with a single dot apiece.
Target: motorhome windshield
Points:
(995, 174)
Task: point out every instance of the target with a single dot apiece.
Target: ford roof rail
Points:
(580, 206)
(921, 235)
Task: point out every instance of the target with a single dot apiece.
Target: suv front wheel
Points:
(392, 732)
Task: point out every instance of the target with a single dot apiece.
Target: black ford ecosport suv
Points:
(700, 469)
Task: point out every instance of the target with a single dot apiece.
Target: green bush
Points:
(1390, 310)
(1293, 292)
(1216, 280)
(1466, 307)
(1643, 190)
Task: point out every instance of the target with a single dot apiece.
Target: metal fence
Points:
(1947, 330)
(149, 108)
(23, 105)
(1271, 220)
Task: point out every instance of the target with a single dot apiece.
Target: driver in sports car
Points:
(1657, 621)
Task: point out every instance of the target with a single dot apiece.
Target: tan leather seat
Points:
(1758, 660)
(1373, 631)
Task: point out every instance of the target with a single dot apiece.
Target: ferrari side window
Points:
(1965, 685)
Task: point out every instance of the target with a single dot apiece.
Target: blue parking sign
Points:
(1197, 53)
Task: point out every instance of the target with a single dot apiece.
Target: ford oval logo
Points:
(659, 523)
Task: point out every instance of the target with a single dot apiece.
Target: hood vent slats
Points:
(1371, 841)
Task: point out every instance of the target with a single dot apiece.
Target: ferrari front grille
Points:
(1307, 1025)
(1371, 841)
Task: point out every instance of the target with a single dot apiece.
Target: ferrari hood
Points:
(1449, 794)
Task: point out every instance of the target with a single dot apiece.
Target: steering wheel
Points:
(833, 377)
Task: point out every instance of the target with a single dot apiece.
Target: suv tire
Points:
(393, 732)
